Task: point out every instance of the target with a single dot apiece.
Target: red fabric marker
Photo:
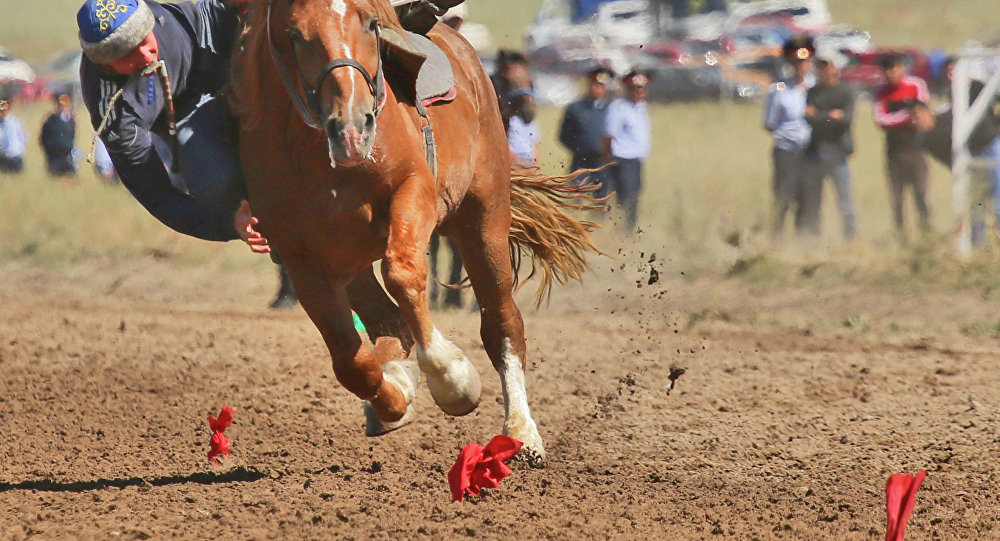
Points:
(481, 467)
(219, 443)
(900, 497)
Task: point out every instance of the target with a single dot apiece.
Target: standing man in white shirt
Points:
(12, 141)
(627, 137)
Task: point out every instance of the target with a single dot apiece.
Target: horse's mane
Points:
(251, 51)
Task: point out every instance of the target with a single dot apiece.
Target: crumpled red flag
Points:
(900, 497)
(481, 467)
(219, 443)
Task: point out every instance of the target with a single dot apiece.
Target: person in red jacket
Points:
(900, 107)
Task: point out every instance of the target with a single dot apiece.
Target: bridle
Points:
(309, 109)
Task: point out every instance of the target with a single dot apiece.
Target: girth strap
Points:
(429, 147)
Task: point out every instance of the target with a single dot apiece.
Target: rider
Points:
(156, 69)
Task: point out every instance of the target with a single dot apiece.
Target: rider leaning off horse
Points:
(152, 69)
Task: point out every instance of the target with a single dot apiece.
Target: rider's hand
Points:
(245, 222)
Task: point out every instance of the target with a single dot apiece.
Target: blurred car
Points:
(14, 74)
(755, 41)
(801, 16)
(843, 39)
(685, 83)
(862, 69)
(614, 22)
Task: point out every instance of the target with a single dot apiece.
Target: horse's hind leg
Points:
(388, 388)
(452, 380)
(485, 252)
(382, 318)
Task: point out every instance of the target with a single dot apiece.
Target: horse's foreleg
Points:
(389, 389)
(453, 380)
(485, 253)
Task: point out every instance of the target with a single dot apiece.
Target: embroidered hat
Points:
(110, 29)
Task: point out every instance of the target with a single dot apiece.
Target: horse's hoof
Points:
(530, 456)
(405, 375)
(532, 451)
(375, 427)
(458, 389)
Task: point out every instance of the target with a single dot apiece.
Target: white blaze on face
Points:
(339, 8)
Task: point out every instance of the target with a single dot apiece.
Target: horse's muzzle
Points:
(350, 142)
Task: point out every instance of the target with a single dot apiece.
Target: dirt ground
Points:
(782, 427)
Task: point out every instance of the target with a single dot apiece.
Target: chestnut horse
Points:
(334, 161)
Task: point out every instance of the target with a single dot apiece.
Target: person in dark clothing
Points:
(57, 138)
(829, 111)
(582, 127)
(157, 68)
(901, 110)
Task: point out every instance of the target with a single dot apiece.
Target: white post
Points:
(965, 117)
(960, 155)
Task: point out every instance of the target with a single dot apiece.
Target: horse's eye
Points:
(373, 25)
(294, 34)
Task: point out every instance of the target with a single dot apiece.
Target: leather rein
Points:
(309, 109)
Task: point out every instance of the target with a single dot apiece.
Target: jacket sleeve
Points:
(218, 22)
(886, 119)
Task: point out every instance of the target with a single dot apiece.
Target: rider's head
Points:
(118, 34)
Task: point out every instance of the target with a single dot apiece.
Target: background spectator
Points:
(784, 117)
(829, 111)
(523, 137)
(57, 138)
(582, 127)
(627, 135)
(12, 140)
(901, 110)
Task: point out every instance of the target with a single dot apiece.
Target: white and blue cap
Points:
(110, 29)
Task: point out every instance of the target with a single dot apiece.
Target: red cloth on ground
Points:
(900, 496)
(481, 467)
(219, 443)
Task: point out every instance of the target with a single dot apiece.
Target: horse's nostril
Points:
(334, 128)
(369, 121)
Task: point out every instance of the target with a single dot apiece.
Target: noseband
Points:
(310, 108)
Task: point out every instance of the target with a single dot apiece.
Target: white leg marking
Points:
(518, 423)
(452, 379)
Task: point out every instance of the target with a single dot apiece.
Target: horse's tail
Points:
(542, 226)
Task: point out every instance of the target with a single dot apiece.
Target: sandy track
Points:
(772, 432)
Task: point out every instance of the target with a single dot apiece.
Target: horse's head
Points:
(332, 47)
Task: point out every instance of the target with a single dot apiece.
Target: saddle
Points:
(423, 65)
(427, 73)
